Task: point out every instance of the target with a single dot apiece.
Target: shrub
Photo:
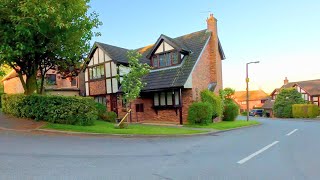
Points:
(200, 113)
(244, 113)
(215, 102)
(54, 109)
(285, 99)
(231, 110)
(305, 110)
(109, 116)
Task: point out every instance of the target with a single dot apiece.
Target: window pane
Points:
(155, 61)
(174, 58)
(94, 72)
(74, 82)
(102, 70)
(162, 61)
(163, 99)
(176, 98)
(98, 72)
(90, 73)
(168, 59)
(156, 99)
(169, 98)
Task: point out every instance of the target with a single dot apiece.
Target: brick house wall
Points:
(13, 86)
(97, 87)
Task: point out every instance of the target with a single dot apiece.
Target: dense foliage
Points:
(231, 110)
(285, 99)
(131, 83)
(39, 35)
(215, 102)
(200, 113)
(305, 110)
(54, 109)
(105, 115)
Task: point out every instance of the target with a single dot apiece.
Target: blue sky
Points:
(282, 35)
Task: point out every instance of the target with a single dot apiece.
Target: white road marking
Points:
(292, 132)
(256, 153)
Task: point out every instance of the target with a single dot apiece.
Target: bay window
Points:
(165, 59)
(96, 72)
(166, 99)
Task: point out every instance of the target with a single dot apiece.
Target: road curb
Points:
(123, 135)
(126, 135)
(243, 127)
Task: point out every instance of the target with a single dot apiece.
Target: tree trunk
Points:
(41, 89)
(31, 84)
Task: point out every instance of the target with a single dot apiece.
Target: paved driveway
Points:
(278, 149)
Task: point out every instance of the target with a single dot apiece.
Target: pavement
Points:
(278, 149)
(8, 122)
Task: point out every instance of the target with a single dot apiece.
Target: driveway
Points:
(279, 149)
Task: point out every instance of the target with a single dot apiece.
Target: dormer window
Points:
(165, 59)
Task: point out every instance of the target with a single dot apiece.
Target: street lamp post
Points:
(247, 82)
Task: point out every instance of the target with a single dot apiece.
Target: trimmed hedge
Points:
(215, 102)
(54, 109)
(200, 113)
(305, 110)
(231, 110)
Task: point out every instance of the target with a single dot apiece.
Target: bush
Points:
(285, 99)
(200, 113)
(215, 102)
(54, 109)
(305, 110)
(244, 113)
(231, 110)
(105, 115)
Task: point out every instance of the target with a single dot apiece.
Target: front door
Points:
(114, 103)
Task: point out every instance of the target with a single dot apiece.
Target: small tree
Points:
(132, 83)
(214, 100)
(286, 98)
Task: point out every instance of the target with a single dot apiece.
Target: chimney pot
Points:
(286, 81)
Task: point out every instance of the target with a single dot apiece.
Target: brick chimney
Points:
(214, 55)
(286, 81)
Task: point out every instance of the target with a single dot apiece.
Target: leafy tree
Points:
(226, 93)
(39, 35)
(131, 83)
(214, 101)
(285, 99)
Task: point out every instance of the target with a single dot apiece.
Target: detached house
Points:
(181, 68)
(310, 92)
(257, 99)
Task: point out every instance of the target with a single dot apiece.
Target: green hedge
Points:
(305, 110)
(54, 109)
(215, 102)
(200, 113)
(105, 115)
(231, 110)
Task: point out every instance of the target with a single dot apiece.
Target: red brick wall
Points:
(163, 116)
(97, 87)
(252, 105)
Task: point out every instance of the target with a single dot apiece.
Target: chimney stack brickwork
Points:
(214, 55)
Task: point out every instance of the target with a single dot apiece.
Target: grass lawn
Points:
(108, 128)
(225, 125)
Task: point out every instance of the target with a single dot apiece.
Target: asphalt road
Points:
(278, 149)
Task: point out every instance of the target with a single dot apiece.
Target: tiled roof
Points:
(311, 86)
(268, 104)
(177, 76)
(11, 74)
(253, 95)
(170, 77)
(117, 54)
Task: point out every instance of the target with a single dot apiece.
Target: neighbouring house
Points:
(181, 68)
(310, 92)
(256, 99)
(55, 84)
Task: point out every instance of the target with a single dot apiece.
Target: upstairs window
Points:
(96, 72)
(165, 59)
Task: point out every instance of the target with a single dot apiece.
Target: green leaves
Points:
(285, 99)
(132, 83)
(42, 34)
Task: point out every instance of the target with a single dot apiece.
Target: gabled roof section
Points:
(253, 95)
(178, 45)
(117, 54)
(312, 87)
(222, 55)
